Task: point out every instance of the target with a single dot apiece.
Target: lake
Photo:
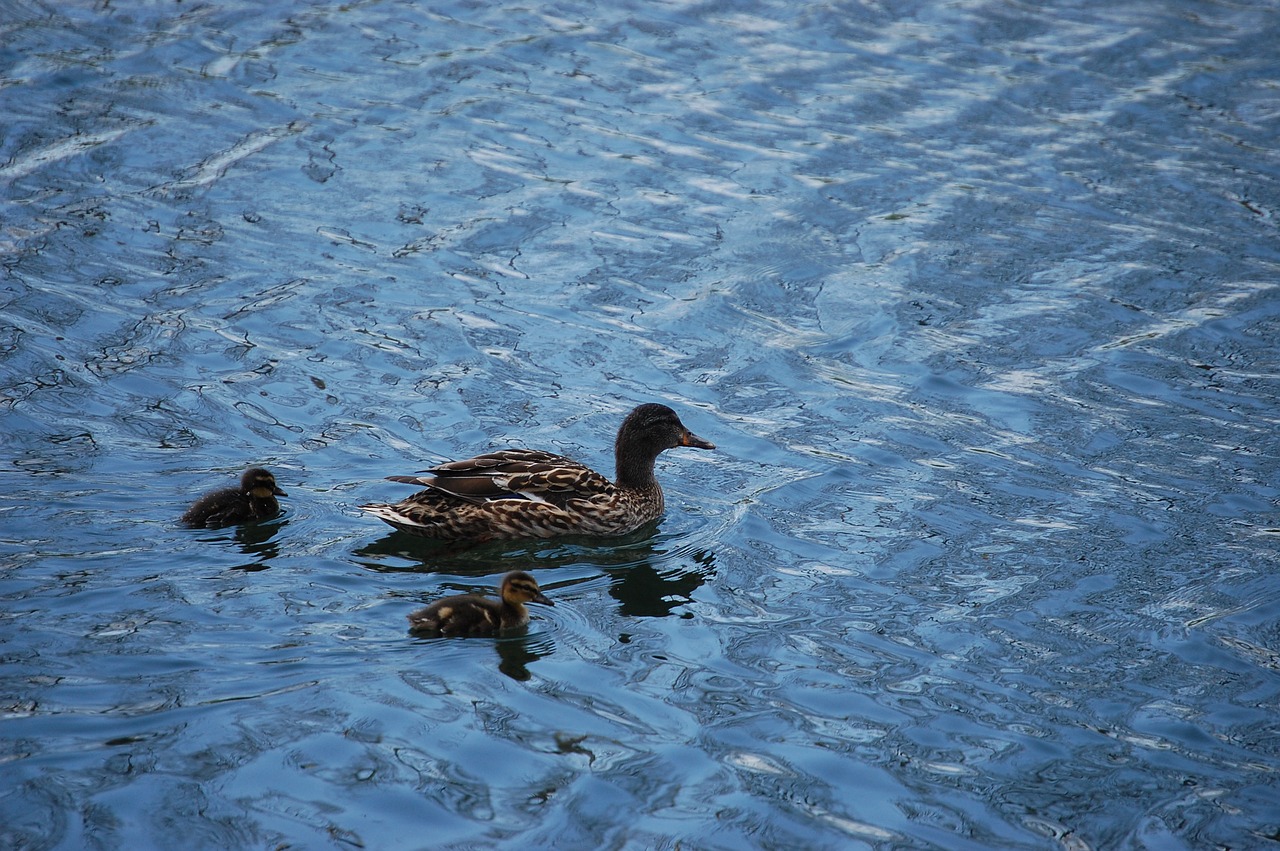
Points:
(977, 299)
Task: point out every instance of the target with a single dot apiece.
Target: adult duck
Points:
(527, 493)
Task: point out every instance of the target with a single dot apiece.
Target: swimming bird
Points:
(472, 614)
(255, 499)
(528, 493)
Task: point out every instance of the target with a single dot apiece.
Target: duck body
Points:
(528, 493)
(255, 499)
(476, 615)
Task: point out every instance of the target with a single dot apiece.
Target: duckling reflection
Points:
(255, 499)
(472, 614)
(517, 652)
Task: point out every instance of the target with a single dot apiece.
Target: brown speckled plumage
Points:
(255, 499)
(472, 614)
(527, 493)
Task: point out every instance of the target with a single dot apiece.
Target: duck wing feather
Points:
(528, 474)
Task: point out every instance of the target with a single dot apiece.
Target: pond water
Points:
(977, 299)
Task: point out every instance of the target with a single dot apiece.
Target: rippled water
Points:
(977, 299)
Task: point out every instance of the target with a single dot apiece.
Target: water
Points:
(977, 299)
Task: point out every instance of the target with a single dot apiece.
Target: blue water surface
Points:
(978, 300)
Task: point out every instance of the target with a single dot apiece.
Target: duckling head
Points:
(258, 483)
(519, 588)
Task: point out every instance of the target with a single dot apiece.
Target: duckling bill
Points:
(475, 615)
(255, 499)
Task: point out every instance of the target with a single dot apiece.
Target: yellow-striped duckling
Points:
(255, 499)
(527, 493)
(472, 614)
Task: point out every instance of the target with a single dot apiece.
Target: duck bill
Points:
(691, 439)
(542, 598)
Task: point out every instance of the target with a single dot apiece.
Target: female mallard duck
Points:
(526, 493)
(471, 614)
(255, 499)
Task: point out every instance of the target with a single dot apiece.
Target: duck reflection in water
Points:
(643, 591)
(646, 581)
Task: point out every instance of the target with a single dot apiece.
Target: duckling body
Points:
(473, 614)
(528, 493)
(255, 499)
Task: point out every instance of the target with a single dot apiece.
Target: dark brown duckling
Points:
(527, 493)
(472, 614)
(255, 499)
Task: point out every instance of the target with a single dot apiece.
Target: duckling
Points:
(472, 614)
(255, 499)
(527, 493)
